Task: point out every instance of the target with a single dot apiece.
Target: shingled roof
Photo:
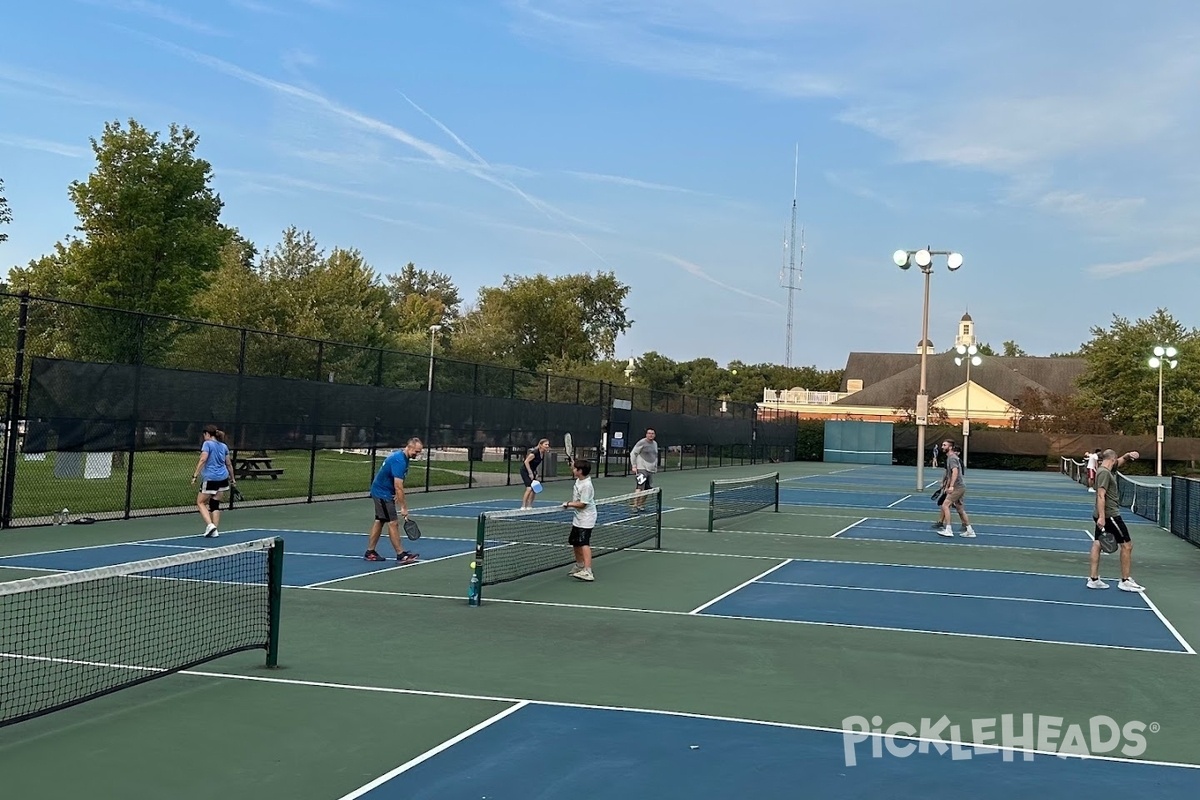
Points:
(890, 379)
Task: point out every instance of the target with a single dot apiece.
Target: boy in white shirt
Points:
(583, 500)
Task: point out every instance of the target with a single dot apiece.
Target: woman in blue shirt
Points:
(215, 469)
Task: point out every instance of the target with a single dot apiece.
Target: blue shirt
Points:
(214, 465)
(394, 466)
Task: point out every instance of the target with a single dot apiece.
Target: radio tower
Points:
(792, 279)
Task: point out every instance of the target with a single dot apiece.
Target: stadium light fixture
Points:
(1163, 357)
(924, 259)
(968, 355)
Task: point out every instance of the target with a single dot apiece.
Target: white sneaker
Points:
(969, 533)
(1130, 585)
(583, 575)
(1096, 583)
(1093, 491)
(946, 532)
(211, 531)
(575, 569)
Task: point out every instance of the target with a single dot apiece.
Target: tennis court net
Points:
(521, 542)
(74, 636)
(737, 496)
(1150, 501)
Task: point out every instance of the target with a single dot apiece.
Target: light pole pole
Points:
(924, 259)
(433, 330)
(1163, 356)
(967, 355)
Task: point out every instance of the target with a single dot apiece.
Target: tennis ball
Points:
(472, 565)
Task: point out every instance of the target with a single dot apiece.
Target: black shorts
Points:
(385, 510)
(526, 477)
(580, 537)
(1116, 526)
(214, 487)
(644, 485)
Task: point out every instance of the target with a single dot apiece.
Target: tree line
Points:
(150, 238)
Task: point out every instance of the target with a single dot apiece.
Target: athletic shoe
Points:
(407, 558)
(946, 531)
(211, 531)
(1096, 583)
(968, 533)
(371, 555)
(1130, 585)
(583, 575)
(576, 568)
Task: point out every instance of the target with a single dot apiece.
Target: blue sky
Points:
(1052, 143)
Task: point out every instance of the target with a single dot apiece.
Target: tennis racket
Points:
(569, 446)
(411, 530)
(235, 495)
(937, 497)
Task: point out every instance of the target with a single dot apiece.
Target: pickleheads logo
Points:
(1007, 735)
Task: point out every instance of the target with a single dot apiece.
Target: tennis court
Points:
(835, 647)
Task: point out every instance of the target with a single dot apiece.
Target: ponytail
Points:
(215, 432)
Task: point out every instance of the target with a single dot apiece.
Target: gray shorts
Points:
(385, 510)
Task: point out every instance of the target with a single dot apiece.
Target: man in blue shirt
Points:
(387, 492)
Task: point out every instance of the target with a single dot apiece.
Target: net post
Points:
(275, 595)
(477, 572)
(658, 521)
(777, 492)
(712, 498)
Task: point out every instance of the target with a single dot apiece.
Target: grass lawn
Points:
(163, 480)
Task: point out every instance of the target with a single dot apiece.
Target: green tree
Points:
(530, 320)
(1119, 383)
(1013, 350)
(151, 237)
(986, 349)
(423, 295)
(6, 217)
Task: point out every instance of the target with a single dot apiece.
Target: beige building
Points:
(883, 386)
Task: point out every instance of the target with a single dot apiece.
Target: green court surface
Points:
(843, 604)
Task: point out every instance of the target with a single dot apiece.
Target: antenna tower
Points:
(790, 271)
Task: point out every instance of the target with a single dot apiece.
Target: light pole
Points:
(967, 355)
(1163, 356)
(433, 330)
(924, 259)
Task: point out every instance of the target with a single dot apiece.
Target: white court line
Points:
(898, 502)
(848, 527)
(739, 587)
(428, 754)
(953, 594)
(662, 713)
(392, 568)
(1164, 621)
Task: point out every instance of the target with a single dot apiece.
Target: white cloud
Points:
(698, 271)
(44, 146)
(161, 13)
(1160, 259)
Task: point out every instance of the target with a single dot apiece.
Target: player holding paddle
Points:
(529, 471)
(387, 492)
(1113, 528)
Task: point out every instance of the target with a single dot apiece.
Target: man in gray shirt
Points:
(644, 459)
(955, 488)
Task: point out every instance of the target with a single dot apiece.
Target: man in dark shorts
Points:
(387, 492)
(644, 460)
(529, 470)
(1107, 517)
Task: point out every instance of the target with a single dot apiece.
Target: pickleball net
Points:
(736, 497)
(517, 543)
(71, 637)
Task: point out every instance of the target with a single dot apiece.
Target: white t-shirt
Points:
(584, 492)
(1093, 461)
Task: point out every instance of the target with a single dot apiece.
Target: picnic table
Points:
(255, 467)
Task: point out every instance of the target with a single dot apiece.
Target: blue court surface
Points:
(311, 557)
(1024, 537)
(536, 751)
(963, 602)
